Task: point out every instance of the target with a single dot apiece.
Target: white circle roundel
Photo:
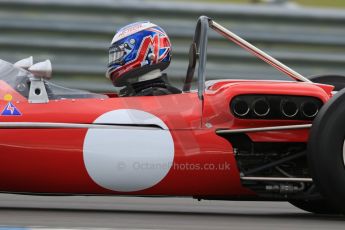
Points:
(128, 159)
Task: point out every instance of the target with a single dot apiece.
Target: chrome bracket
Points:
(38, 93)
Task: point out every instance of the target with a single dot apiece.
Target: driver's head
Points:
(135, 50)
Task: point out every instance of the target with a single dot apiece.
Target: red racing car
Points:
(227, 140)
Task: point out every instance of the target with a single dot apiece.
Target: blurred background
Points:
(307, 35)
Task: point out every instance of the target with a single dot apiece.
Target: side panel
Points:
(56, 162)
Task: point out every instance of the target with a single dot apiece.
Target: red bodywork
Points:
(51, 160)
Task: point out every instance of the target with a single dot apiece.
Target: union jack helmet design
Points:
(137, 49)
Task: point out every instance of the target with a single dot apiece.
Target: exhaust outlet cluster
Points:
(278, 107)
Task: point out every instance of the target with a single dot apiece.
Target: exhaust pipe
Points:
(261, 107)
(289, 108)
(240, 108)
(309, 109)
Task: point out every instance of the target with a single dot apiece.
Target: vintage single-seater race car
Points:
(226, 140)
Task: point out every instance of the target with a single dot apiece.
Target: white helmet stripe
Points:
(131, 29)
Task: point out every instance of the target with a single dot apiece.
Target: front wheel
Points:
(320, 206)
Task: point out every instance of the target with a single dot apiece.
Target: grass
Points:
(313, 3)
(323, 3)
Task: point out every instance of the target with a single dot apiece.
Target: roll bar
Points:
(201, 39)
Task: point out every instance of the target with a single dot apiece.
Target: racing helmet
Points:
(135, 50)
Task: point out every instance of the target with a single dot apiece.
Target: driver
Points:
(137, 55)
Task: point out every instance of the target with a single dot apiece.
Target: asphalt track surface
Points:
(156, 213)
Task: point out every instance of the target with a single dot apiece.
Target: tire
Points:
(326, 151)
(320, 206)
(338, 81)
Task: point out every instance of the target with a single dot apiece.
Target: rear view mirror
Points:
(42, 69)
(25, 63)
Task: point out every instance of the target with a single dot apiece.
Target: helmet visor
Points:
(116, 54)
